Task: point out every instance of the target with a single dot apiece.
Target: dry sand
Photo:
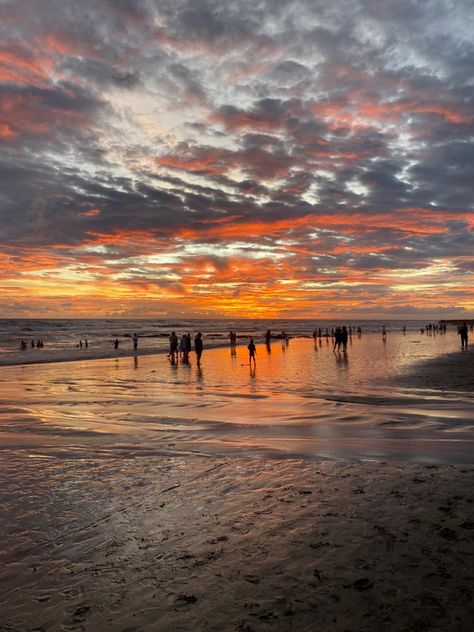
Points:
(239, 544)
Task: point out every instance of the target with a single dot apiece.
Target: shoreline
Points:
(53, 356)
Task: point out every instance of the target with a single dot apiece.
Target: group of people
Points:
(341, 336)
(433, 328)
(39, 344)
(181, 348)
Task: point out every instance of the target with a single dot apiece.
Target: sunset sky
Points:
(237, 158)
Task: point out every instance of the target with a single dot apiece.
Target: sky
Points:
(215, 158)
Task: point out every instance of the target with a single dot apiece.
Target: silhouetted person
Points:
(384, 333)
(183, 348)
(23, 345)
(252, 351)
(463, 332)
(344, 337)
(116, 343)
(337, 339)
(32, 344)
(135, 341)
(86, 343)
(173, 347)
(268, 337)
(198, 347)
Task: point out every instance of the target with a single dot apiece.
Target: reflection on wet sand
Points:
(295, 400)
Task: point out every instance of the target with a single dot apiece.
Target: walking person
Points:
(183, 349)
(337, 339)
(198, 346)
(252, 352)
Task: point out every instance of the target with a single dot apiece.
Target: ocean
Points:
(64, 334)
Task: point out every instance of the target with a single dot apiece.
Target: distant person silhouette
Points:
(183, 349)
(344, 337)
(384, 333)
(135, 341)
(252, 351)
(116, 343)
(463, 332)
(173, 354)
(198, 346)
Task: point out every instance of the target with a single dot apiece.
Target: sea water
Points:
(64, 334)
(301, 400)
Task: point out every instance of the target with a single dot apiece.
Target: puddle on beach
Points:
(300, 400)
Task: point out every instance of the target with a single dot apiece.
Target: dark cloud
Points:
(341, 131)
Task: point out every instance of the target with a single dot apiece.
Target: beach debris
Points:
(186, 600)
(253, 579)
(363, 583)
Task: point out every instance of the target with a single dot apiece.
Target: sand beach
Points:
(314, 493)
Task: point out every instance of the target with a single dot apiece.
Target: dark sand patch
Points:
(449, 372)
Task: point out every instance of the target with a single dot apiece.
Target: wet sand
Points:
(239, 544)
(181, 537)
(452, 372)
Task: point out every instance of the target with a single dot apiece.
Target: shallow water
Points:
(299, 400)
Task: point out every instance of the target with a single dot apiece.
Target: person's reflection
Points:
(342, 359)
(268, 347)
(252, 371)
(233, 351)
(135, 362)
(199, 376)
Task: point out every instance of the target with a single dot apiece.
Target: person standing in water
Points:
(135, 342)
(252, 352)
(198, 346)
(463, 332)
(173, 347)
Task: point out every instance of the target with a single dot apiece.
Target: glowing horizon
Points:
(236, 159)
